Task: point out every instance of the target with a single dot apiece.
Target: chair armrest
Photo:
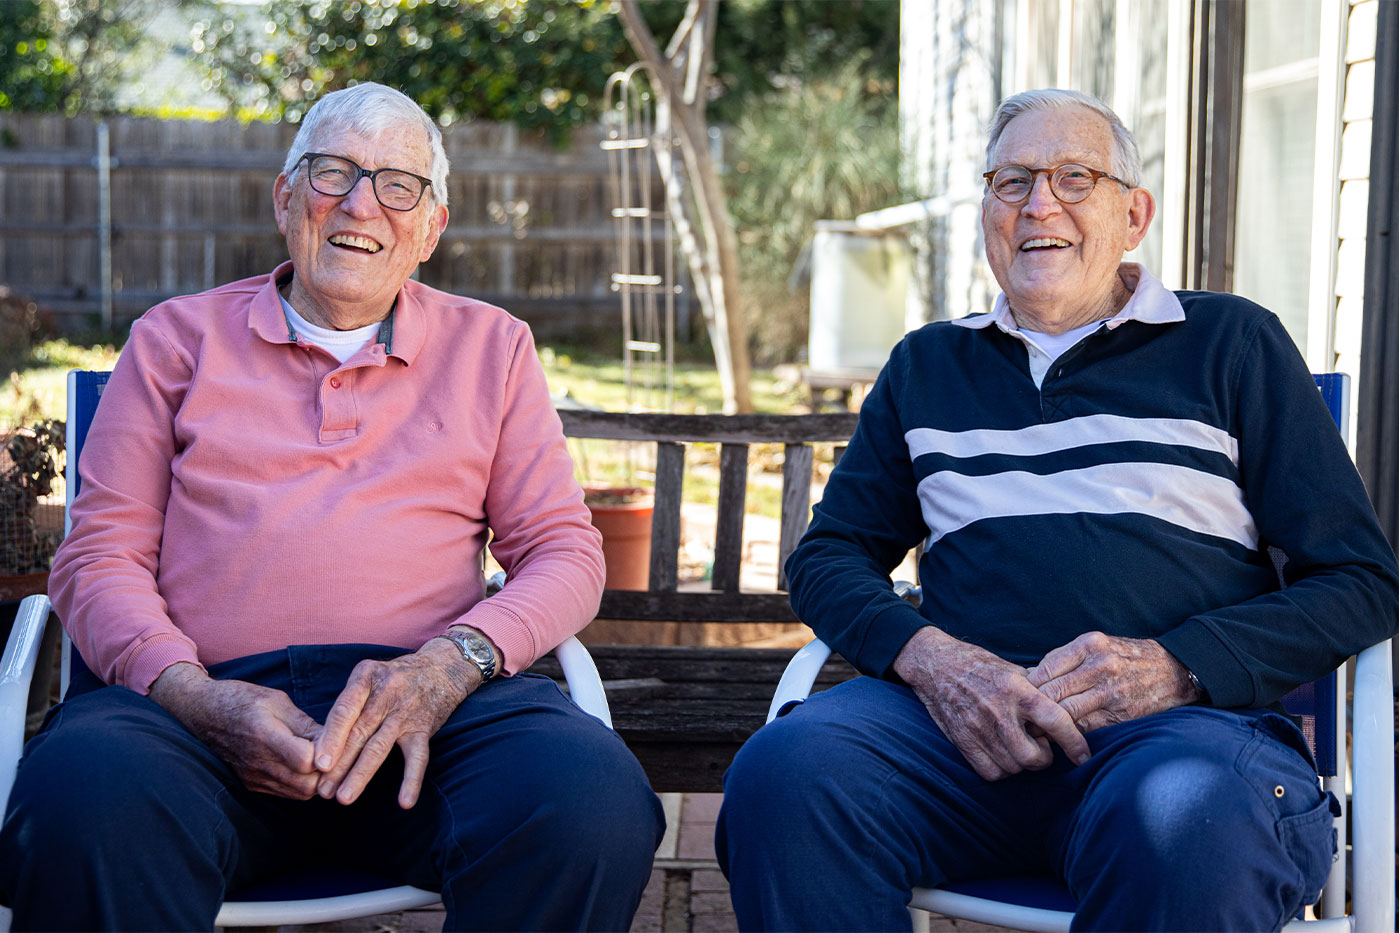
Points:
(799, 676)
(16, 671)
(1373, 791)
(581, 674)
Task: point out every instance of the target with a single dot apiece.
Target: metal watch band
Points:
(475, 650)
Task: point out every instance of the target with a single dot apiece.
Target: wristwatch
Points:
(1202, 697)
(475, 650)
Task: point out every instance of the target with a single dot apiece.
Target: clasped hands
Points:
(276, 748)
(1003, 717)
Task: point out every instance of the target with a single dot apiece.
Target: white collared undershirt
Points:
(1045, 349)
(341, 344)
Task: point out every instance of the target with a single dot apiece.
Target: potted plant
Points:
(29, 530)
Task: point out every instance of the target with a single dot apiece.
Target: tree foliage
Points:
(766, 46)
(69, 56)
(542, 63)
(32, 77)
(538, 63)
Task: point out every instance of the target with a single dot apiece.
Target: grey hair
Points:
(1124, 158)
(369, 109)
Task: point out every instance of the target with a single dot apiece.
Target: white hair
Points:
(1124, 158)
(369, 109)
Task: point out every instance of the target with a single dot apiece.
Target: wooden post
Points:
(104, 223)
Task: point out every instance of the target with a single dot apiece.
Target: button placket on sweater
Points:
(340, 413)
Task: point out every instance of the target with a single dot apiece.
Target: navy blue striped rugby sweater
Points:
(1134, 493)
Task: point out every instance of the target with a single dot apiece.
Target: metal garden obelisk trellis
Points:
(645, 277)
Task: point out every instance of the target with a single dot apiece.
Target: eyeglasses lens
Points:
(1072, 183)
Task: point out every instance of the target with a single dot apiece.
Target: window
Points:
(1273, 214)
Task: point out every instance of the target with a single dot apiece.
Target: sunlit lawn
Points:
(39, 390)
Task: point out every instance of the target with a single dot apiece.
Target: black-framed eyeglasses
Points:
(1071, 182)
(336, 176)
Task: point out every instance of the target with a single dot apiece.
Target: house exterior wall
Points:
(950, 83)
(1353, 190)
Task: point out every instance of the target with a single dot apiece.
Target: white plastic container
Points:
(860, 282)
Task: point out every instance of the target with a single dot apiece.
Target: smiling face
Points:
(351, 254)
(1058, 263)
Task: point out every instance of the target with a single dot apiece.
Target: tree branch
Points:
(644, 44)
(674, 47)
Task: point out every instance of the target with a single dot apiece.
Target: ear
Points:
(437, 223)
(281, 198)
(1141, 210)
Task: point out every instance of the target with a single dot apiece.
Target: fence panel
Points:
(191, 208)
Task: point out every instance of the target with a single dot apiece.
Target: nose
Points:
(1042, 201)
(360, 202)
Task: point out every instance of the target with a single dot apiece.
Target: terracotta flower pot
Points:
(623, 516)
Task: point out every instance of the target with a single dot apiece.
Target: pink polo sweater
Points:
(243, 491)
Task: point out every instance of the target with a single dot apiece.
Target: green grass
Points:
(597, 380)
(38, 389)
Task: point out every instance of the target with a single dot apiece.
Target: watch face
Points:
(479, 648)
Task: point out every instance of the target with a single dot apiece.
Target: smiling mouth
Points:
(1044, 242)
(360, 243)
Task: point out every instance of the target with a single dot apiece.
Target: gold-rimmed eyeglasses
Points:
(1070, 183)
(336, 176)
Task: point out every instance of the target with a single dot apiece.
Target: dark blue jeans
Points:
(1192, 819)
(533, 814)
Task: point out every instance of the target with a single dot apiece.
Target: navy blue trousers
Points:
(1192, 819)
(533, 815)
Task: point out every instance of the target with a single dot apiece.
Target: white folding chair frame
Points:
(17, 669)
(1373, 808)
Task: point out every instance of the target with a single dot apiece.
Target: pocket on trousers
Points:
(1276, 764)
(1310, 840)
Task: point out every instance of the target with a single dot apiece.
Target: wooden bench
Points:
(684, 710)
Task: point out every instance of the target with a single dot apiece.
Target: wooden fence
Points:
(191, 208)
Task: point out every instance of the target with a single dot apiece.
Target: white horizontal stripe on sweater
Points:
(1189, 498)
(1070, 433)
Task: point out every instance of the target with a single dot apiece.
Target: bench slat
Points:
(729, 520)
(797, 503)
(639, 606)
(666, 517)
(734, 429)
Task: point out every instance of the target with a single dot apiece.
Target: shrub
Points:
(820, 150)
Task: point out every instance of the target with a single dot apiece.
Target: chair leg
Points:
(919, 920)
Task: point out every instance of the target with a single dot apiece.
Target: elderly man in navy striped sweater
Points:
(1096, 468)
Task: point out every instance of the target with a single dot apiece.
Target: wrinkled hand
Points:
(260, 732)
(401, 702)
(1103, 679)
(986, 706)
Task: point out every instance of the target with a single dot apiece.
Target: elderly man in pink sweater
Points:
(274, 576)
